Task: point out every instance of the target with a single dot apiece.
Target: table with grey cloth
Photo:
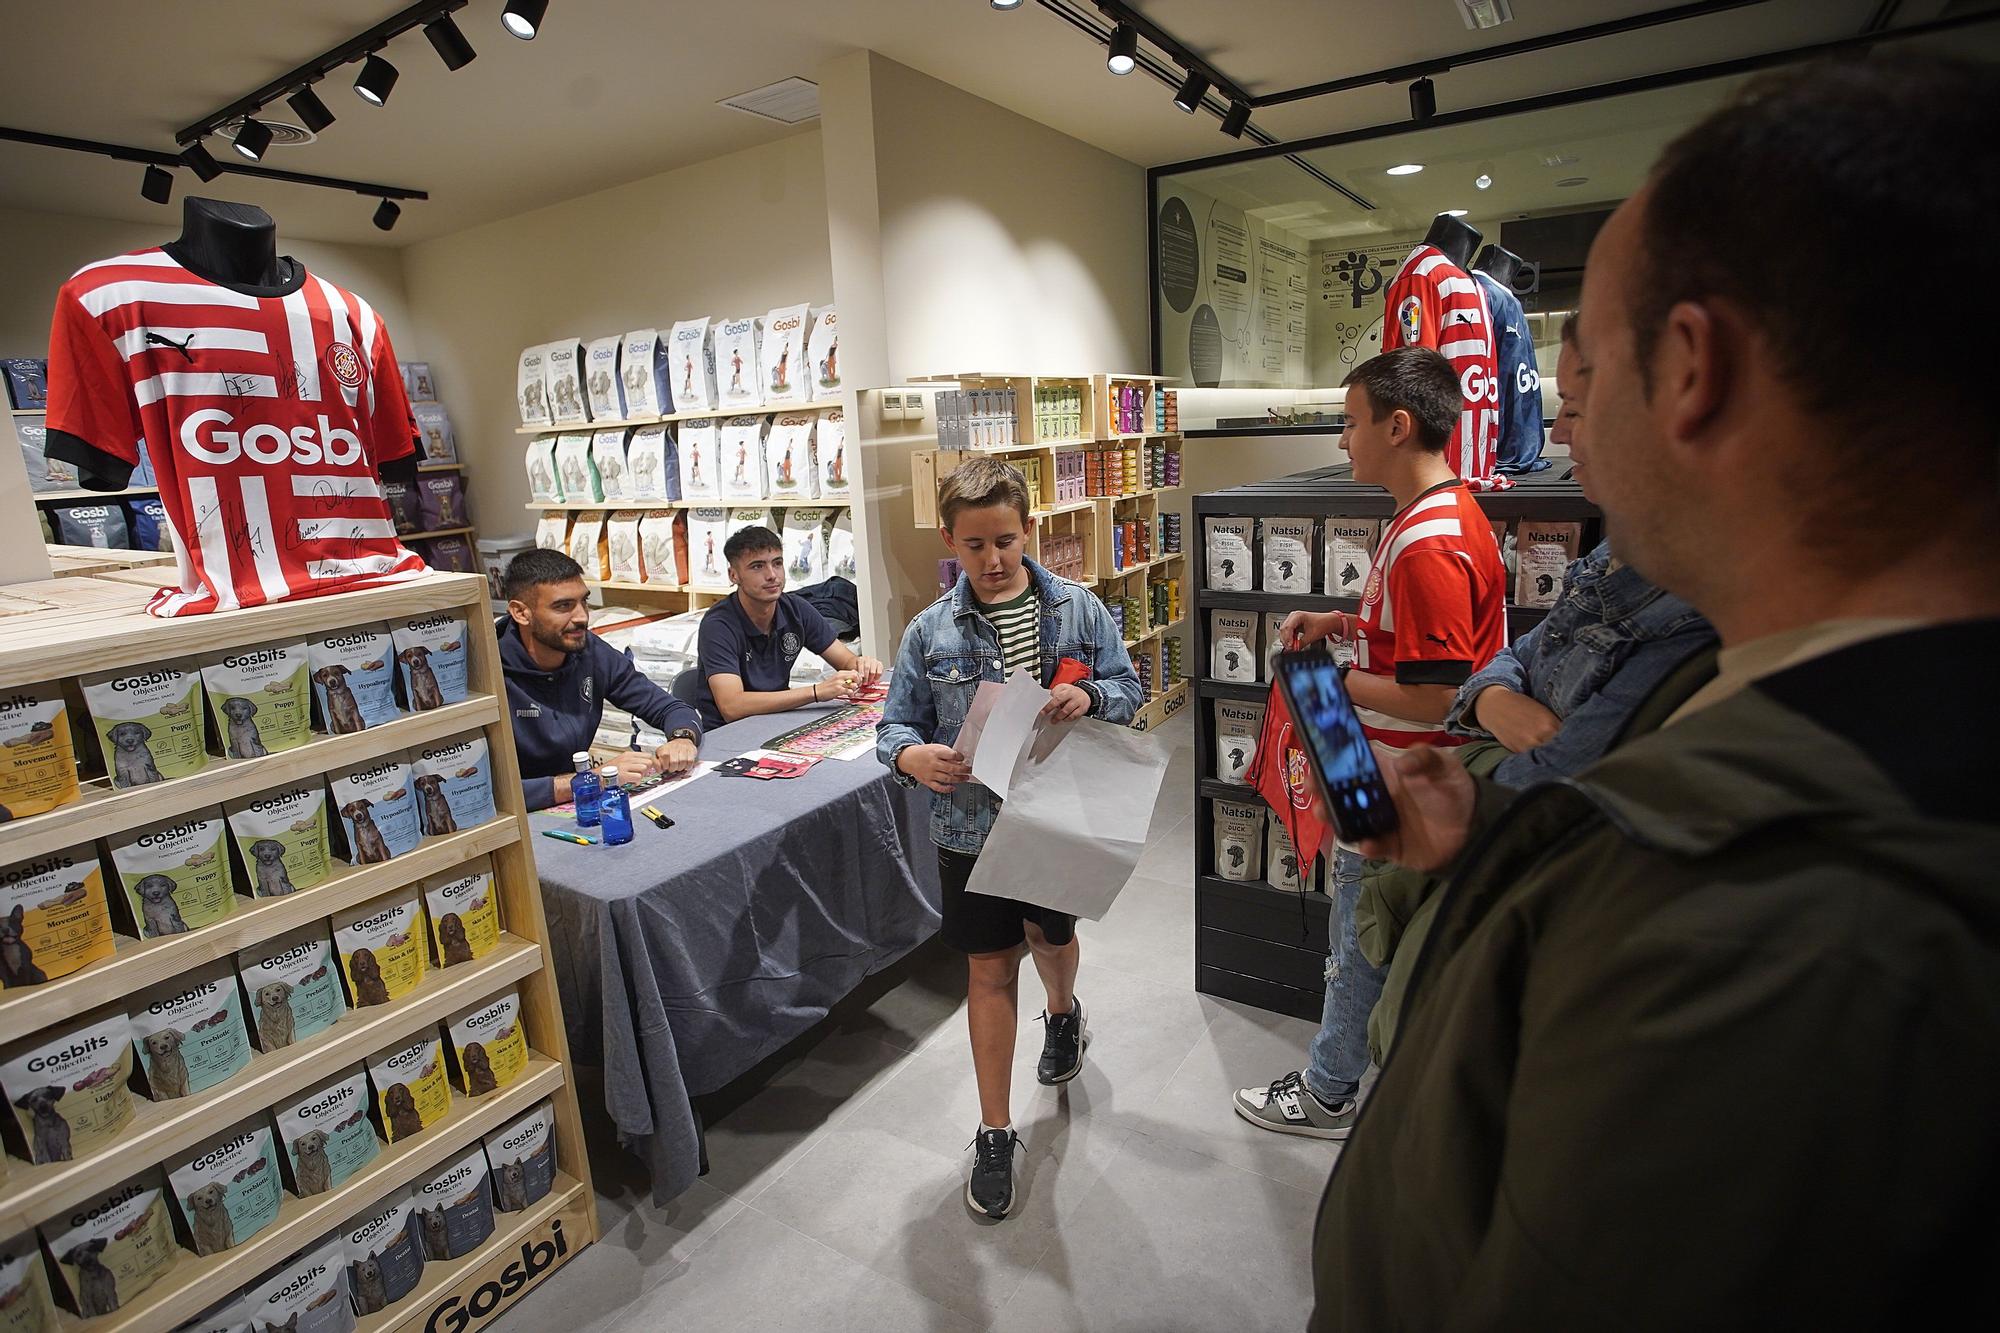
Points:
(688, 955)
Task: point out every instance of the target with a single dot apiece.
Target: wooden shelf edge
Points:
(440, 467)
(1169, 702)
(445, 1278)
(567, 507)
(70, 496)
(761, 410)
(440, 532)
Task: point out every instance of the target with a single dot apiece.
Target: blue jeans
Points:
(1339, 1054)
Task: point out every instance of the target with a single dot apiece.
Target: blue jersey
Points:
(1520, 381)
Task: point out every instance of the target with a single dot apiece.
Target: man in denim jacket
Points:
(1006, 613)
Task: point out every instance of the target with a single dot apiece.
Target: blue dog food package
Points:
(522, 1153)
(431, 657)
(455, 1207)
(149, 721)
(27, 382)
(327, 1133)
(228, 1188)
(305, 1294)
(95, 524)
(293, 982)
(259, 698)
(353, 682)
(111, 1247)
(44, 473)
(147, 524)
(190, 1032)
(385, 1258)
(453, 783)
(68, 1087)
(25, 1303)
(377, 808)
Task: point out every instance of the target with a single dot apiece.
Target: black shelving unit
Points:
(1255, 943)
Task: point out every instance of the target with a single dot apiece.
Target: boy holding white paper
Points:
(1005, 613)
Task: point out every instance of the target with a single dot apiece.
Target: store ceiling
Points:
(615, 90)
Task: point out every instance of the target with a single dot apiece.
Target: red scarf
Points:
(1281, 776)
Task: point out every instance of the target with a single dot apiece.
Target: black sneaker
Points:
(1062, 1046)
(989, 1178)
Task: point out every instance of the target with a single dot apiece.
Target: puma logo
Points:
(161, 340)
(1441, 640)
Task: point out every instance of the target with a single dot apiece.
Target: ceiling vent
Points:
(283, 134)
(791, 101)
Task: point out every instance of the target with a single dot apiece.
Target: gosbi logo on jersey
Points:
(1476, 386)
(265, 443)
(345, 365)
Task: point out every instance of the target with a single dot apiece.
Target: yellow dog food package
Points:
(149, 722)
(176, 874)
(54, 918)
(37, 758)
(381, 947)
(487, 1043)
(68, 1087)
(412, 1091)
(110, 1248)
(464, 913)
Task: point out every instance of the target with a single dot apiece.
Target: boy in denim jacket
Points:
(1006, 612)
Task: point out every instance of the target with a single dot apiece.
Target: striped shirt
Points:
(1019, 623)
(1434, 303)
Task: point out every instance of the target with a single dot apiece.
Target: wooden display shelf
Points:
(191, 1286)
(72, 495)
(1163, 706)
(159, 1130)
(27, 411)
(441, 467)
(105, 808)
(1153, 633)
(622, 585)
(596, 507)
(720, 414)
(1066, 507)
(438, 532)
(1144, 566)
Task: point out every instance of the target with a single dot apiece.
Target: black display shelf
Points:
(1277, 601)
(1333, 490)
(1229, 689)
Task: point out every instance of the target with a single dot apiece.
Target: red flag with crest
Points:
(1280, 773)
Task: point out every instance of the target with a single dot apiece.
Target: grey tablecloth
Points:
(689, 954)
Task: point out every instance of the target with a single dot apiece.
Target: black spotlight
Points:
(1423, 100)
(523, 18)
(1193, 88)
(253, 136)
(1124, 56)
(1237, 120)
(449, 42)
(386, 214)
(312, 112)
(376, 80)
(201, 162)
(158, 185)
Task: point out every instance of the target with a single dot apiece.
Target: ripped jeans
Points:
(1339, 1054)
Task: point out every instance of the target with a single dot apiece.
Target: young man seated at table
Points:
(750, 640)
(560, 675)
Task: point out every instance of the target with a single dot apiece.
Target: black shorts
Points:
(977, 923)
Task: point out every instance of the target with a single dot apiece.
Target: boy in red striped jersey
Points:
(1434, 611)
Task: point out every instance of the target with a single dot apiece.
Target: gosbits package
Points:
(1230, 568)
(1350, 551)
(691, 366)
(176, 874)
(804, 537)
(788, 458)
(453, 780)
(607, 454)
(544, 477)
(412, 1092)
(663, 546)
(823, 353)
(464, 913)
(111, 1247)
(487, 1043)
(151, 529)
(190, 1033)
(385, 1260)
(455, 1207)
(568, 405)
(99, 525)
(381, 948)
(651, 471)
(148, 722)
(430, 655)
(1232, 646)
(522, 1155)
(586, 544)
(1239, 839)
(743, 458)
(642, 369)
(282, 837)
(260, 698)
(37, 757)
(601, 384)
(441, 501)
(1288, 554)
(54, 918)
(228, 1189)
(622, 546)
(305, 1294)
(1237, 727)
(830, 452)
(577, 469)
(378, 810)
(440, 445)
(787, 375)
(353, 681)
(708, 529)
(293, 983)
(736, 348)
(531, 387)
(26, 1305)
(699, 444)
(327, 1133)
(68, 1087)
(401, 497)
(840, 545)
(552, 531)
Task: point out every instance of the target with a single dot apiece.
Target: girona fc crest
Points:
(1373, 588)
(346, 366)
(1297, 784)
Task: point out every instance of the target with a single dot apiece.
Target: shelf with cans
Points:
(1261, 551)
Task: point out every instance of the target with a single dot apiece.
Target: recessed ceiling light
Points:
(1483, 182)
(1456, 212)
(1479, 14)
(1569, 182)
(1407, 169)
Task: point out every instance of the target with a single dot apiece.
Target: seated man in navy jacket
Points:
(560, 675)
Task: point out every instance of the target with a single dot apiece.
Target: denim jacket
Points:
(951, 646)
(1606, 643)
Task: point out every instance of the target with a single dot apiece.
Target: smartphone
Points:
(1342, 762)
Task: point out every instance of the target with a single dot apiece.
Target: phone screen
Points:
(1350, 781)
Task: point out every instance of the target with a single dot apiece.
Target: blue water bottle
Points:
(583, 790)
(614, 809)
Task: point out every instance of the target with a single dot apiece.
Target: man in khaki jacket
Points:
(1710, 1037)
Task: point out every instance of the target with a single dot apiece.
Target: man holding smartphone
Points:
(1433, 611)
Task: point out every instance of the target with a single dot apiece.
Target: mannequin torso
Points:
(1498, 264)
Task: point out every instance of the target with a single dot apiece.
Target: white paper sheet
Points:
(1010, 728)
(983, 699)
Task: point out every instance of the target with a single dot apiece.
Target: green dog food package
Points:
(260, 698)
(149, 722)
(293, 982)
(228, 1188)
(282, 837)
(326, 1132)
(176, 874)
(190, 1033)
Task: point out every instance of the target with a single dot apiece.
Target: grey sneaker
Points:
(989, 1177)
(1288, 1106)
(1062, 1046)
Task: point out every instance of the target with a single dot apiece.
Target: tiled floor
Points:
(835, 1198)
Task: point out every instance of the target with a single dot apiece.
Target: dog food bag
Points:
(307, 1293)
(577, 469)
(487, 1044)
(190, 1032)
(327, 1133)
(522, 1157)
(788, 458)
(662, 547)
(54, 918)
(787, 376)
(176, 874)
(1232, 646)
(568, 405)
(552, 531)
(453, 783)
(544, 477)
(1239, 839)
(1543, 553)
(412, 1092)
(227, 1316)
(450, 555)
(293, 982)
(402, 500)
(464, 913)
(1274, 643)
(691, 366)
(455, 1207)
(259, 698)
(430, 655)
(110, 1248)
(25, 1303)
(699, 446)
(1283, 867)
(1350, 553)
(607, 453)
(830, 453)
(1288, 554)
(642, 369)
(440, 501)
(385, 1258)
(378, 808)
(738, 385)
(228, 1188)
(148, 721)
(1237, 726)
(37, 757)
(100, 525)
(381, 948)
(840, 545)
(531, 391)
(1229, 565)
(600, 379)
(804, 536)
(434, 433)
(742, 468)
(282, 837)
(823, 353)
(67, 1086)
(44, 473)
(586, 544)
(147, 520)
(708, 529)
(353, 680)
(651, 471)
(621, 547)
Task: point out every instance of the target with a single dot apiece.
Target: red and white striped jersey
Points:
(1434, 609)
(266, 417)
(1434, 303)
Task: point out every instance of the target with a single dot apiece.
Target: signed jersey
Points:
(1520, 448)
(266, 418)
(1434, 303)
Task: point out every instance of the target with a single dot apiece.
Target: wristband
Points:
(815, 690)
